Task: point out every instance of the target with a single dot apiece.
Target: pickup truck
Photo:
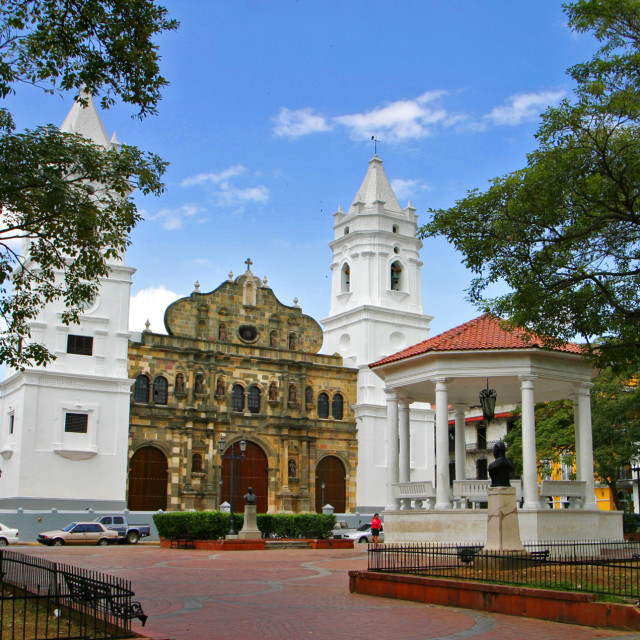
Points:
(128, 533)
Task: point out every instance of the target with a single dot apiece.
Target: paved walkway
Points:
(287, 594)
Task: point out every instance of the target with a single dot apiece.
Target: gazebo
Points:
(449, 370)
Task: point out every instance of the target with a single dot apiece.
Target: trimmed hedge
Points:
(214, 525)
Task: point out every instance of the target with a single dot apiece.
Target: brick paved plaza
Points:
(287, 594)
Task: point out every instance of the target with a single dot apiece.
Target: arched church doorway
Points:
(253, 471)
(148, 480)
(330, 470)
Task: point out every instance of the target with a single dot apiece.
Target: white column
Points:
(576, 428)
(405, 447)
(586, 444)
(392, 447)
(529, 457)
(460, 443)
(443, 491)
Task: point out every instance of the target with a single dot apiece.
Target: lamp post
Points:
(222, 443)
(323, 487)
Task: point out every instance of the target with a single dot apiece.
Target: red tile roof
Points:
(482, 333)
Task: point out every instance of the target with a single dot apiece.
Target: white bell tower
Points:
(64, 428)
(376, 310)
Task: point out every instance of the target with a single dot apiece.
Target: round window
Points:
(248, 333)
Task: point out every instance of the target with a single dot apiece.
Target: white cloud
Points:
(405, 189)
(202, 262)
(232, 195)
(150, 304)
(523, 106)
(413, 118)
(398, 121)
(172, 219)
(214, 178)
(295, 123)
(224, 192)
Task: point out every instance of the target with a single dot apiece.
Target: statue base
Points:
(503, 529)
(250, 529)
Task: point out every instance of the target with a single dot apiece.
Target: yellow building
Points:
(238, 362)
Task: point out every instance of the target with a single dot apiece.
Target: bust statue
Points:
(250, 497)
(500, 468)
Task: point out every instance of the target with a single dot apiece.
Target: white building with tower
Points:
(64, 428)
(376, 310)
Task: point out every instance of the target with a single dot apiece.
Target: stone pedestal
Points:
(503, 529)
(250, 529)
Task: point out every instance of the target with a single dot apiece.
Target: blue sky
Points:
(267, 127)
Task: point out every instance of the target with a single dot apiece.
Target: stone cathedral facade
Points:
(238, 362)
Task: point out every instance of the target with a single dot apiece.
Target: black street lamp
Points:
(488, 403)
(233, 457)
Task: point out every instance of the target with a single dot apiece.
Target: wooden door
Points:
(330, 470)
(252, 471)
(148, 480)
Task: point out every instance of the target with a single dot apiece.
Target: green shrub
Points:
(214, 525)
(203, 525)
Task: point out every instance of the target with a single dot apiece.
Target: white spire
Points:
(375, 189)
(86, 122)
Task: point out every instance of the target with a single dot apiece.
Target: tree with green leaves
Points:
(65, 202)
(615, 416)
(564, 232)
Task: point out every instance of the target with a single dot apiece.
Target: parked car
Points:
(363, 534)
(340, 528)
(79, 533)
(129, 533)
(8, 536)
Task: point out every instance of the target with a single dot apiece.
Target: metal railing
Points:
(609, 567)
(43, 599)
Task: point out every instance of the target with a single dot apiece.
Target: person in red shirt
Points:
(376, 525)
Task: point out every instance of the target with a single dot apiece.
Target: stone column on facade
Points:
(460, 443)
(303, 473)
(586, 443)
(392, 447)
(188, 448)
(443, 490)
(404, 467)
(211, 388)
(190, 384)
(284, 466)
(313, 457)
(529, 457)
(210, 487)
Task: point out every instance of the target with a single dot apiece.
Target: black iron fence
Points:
(42, 599)
(604, 567)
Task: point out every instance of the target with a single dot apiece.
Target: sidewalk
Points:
(285, 595)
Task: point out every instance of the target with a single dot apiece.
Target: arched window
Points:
(254, 399)
(396, 273)
(160, 387)
(336, 407)
(141, 389)
(323, 405)
(345, 284)
(196, 463)
(237, 398)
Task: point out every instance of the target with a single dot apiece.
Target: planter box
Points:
(331, 544)
(557, 606)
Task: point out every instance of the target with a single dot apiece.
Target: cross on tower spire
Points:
(248, 263)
